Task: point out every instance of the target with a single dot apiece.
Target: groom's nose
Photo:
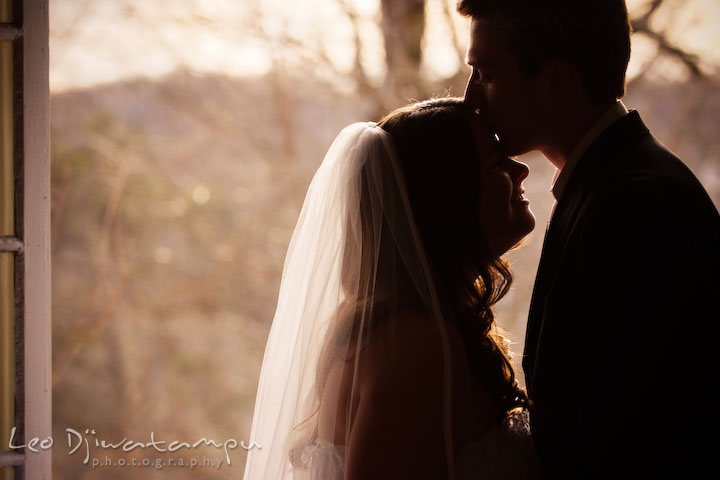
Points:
(475, 97)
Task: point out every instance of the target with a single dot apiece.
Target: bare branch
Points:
(358, 69)
(642, 25)
(691, 61)
(654, 6)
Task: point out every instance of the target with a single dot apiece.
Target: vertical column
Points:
(36, 234)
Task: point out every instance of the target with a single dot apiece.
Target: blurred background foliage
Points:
(184, 136)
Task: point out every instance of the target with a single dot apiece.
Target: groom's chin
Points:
(517, 143)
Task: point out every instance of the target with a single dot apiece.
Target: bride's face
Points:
(504, 212)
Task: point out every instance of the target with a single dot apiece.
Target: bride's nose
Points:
(520, 171)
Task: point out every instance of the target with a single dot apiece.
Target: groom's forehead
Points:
(488, 44)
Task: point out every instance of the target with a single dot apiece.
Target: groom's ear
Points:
(561, 77)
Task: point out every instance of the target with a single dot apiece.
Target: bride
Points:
(383, 360)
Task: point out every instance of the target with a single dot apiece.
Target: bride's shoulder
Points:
(412, 350)
(409, 333)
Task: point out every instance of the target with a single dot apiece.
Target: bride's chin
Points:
(519, 239)
(501, 248)
(530, 222)
(527, 220)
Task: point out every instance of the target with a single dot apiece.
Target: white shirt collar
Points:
(611, 115)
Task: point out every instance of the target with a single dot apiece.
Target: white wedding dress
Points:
(505, 453)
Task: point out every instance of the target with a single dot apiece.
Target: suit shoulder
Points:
(649, 175)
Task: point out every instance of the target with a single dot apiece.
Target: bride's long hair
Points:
(440, 166)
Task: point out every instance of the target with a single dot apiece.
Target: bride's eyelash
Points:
(496, 159)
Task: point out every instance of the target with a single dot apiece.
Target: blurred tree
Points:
(403, 25)
(642, 23)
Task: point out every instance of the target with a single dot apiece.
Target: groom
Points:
(619, 356)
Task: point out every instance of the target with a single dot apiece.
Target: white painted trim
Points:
(36, 236)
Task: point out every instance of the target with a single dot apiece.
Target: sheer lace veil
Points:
(355, 256)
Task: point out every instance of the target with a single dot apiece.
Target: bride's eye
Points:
(495, 158)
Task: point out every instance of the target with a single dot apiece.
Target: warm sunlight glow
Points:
(163, 255)
(149, 39)
(201, 194)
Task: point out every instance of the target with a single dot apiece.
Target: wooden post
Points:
(35, 266)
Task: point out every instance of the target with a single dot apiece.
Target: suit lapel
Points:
(601, 159)
(553, 246)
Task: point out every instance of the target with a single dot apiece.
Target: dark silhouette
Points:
(618, 354)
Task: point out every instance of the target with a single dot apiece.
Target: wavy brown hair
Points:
(440, 163)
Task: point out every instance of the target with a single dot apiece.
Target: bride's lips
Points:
(518, 197)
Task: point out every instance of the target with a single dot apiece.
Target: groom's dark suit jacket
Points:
(620, 354)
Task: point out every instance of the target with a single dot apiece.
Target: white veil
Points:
(355, 253)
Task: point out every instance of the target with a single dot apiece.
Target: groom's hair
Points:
(592, 35)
